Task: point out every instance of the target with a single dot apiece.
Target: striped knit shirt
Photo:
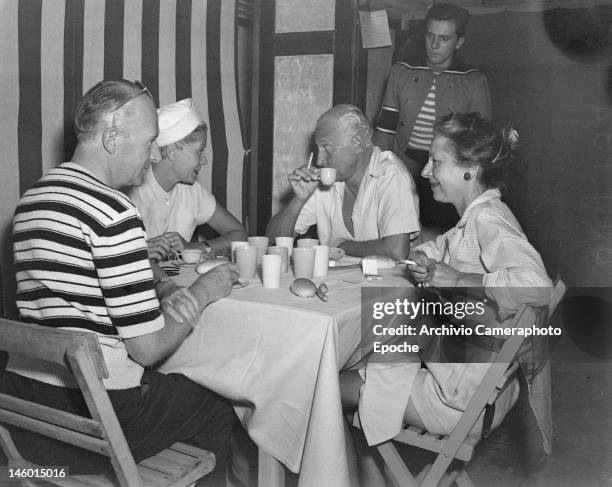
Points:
(422, 131)
(81, 262)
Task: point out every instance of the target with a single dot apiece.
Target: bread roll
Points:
(207, 265)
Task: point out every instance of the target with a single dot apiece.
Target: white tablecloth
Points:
(277, 356)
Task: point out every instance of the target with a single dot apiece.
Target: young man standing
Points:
(419, 94)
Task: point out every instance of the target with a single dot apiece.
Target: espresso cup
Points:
(283, 252)
(327, 175)
(271, 270)
(307, 242)
(246, 258)
(191, 256)
(303, 262)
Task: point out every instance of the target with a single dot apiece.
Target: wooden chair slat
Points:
(153, 478)
(8, 446)
(49, 344)
(472, 440)
(90, 443)
(426, 441)
(177, 457)
(162, 464)
(51, 415)
(101, 410)
(465, 452)
(194, 451)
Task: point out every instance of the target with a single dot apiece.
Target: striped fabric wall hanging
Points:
(55, 50)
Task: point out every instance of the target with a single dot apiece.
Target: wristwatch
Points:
(161, 280)
(208, 251)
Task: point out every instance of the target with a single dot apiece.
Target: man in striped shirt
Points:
(81, 261)
(418, 94)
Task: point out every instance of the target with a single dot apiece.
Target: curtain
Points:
(58, 49)
(53, 51)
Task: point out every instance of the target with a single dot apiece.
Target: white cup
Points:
(285, 242)
(233, 245)
(327, 175)
(271, 271)
(261, 244)
(303, 262)
(246, 258)
(321, 262)
(191, 256)
(307, 242)
(283, 252)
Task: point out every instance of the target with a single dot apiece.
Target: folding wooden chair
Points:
(458, 445)
(179, 466)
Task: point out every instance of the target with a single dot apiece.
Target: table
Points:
(277, 357)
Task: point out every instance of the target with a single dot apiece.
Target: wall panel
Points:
(303, 88)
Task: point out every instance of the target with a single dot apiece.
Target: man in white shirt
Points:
(171, 200)
(372, 208)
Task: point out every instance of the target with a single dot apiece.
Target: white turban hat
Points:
(177, 121)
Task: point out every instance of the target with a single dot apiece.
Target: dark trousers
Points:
(440, 216)
(163, 410)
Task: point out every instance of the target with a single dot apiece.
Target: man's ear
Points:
(460, 42)
(109, 140)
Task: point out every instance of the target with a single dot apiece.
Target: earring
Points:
(467, 176)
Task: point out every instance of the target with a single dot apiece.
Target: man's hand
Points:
(304, 181)
(215, 284)
(161, 247)
(182, 305)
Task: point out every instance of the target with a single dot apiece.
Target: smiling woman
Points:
(469, 156)
(486, 252)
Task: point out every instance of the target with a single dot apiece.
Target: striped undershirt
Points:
(422, 131)
(81, 262)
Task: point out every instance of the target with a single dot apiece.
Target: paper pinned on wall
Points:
(374, 29)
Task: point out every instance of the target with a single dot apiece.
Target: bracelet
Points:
(208, 251)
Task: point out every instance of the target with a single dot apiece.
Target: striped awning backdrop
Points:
(52, 51)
